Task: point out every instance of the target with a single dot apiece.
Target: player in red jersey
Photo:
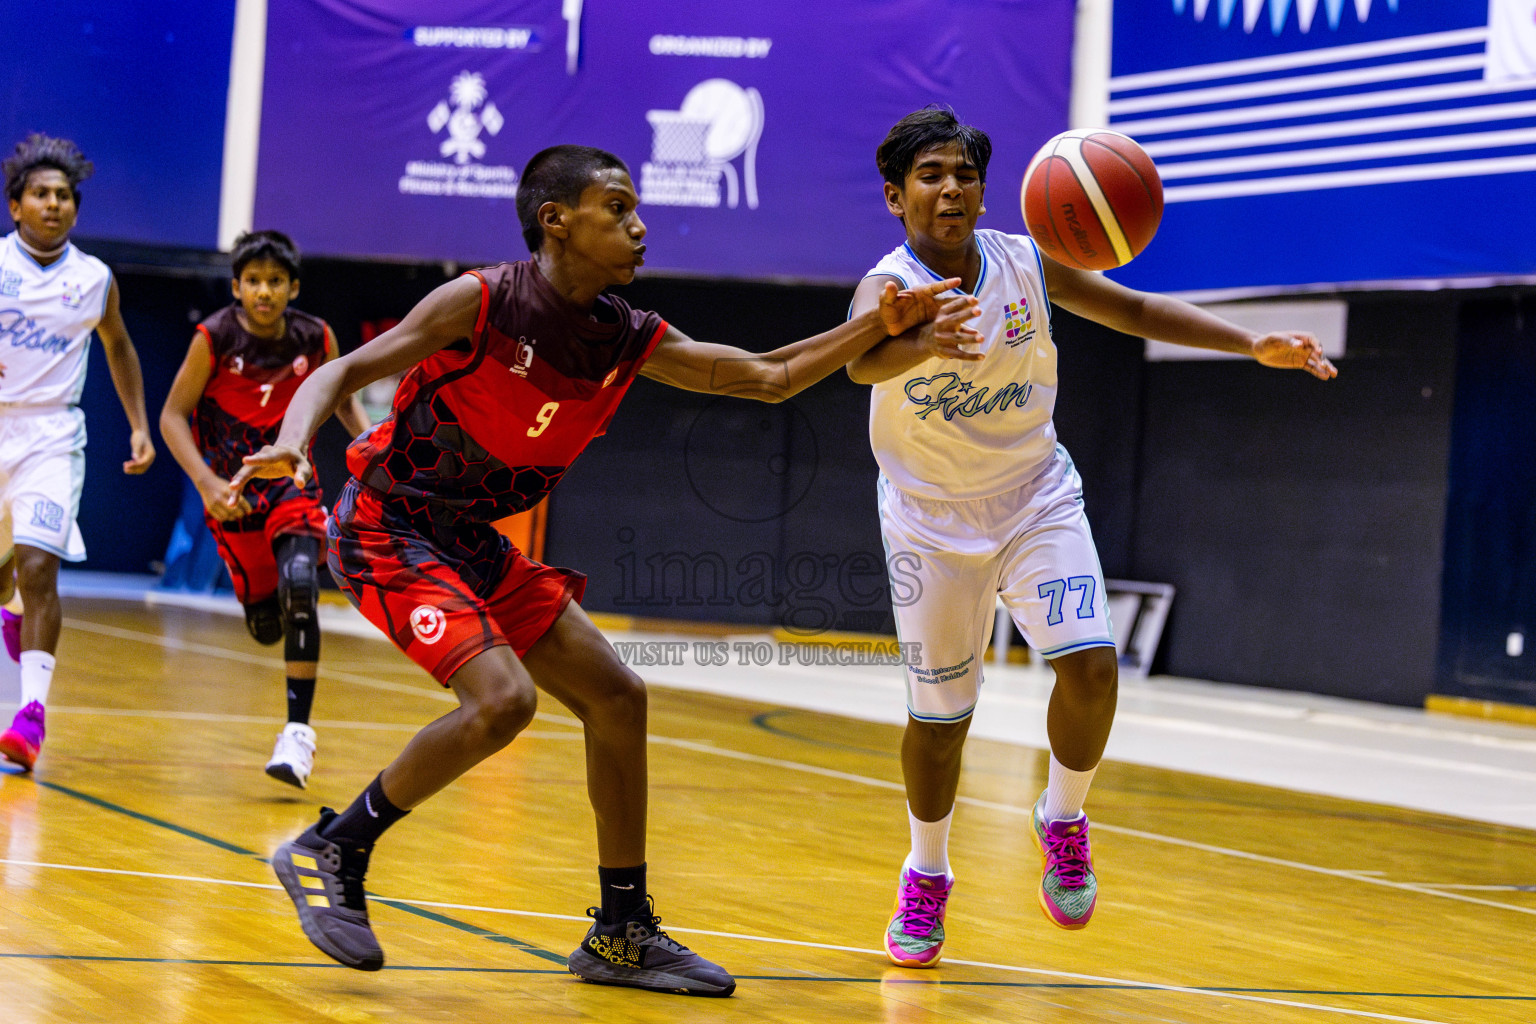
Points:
(242, 368)
(513, 370)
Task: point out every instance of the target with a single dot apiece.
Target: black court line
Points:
(830, 979)
(515, 943)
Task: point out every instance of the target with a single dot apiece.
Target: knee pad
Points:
(301, 639)
(298, 580)
(265, 621)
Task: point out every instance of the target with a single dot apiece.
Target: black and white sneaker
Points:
(325, 883)
(639, 954)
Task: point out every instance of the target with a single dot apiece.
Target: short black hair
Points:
(265, 245)
(39, 150)
(924, 129)
(559, 174)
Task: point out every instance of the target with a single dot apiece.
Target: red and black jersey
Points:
(251, 382)
(486, 427)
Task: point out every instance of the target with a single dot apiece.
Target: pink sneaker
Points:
(915, 937)
(24, 739)
(10, 627)
(1068, 887)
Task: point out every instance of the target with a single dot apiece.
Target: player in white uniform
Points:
(978, 500)
(52, 296)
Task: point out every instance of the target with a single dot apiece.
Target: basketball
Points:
(1092, 199)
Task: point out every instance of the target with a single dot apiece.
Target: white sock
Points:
(1066, 790)
(930, 844)
(36, 676)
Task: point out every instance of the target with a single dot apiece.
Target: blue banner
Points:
(1316, 142)
(142, 88)
(396, 128)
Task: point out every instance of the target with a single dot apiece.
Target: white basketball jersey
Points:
(47, 315)
(949, 429)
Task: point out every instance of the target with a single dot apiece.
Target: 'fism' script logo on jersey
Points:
(1279, 11)
(464, 116)
(948, 395)
(693, 148)
(23, 332)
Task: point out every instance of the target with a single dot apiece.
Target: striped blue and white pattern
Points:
(1279, 10)
(1414, 108)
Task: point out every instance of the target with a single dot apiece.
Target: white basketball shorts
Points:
(42, 471)
(950, 560)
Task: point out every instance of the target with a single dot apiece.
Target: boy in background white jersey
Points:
(975, 492)
(52, 296)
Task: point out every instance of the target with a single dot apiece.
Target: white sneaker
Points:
(294, 756)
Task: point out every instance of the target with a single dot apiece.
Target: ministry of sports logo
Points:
(465, 115)
(694, 146)
(1018, 323)
(428, 623)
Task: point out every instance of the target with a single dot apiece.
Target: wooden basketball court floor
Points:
(134, 884)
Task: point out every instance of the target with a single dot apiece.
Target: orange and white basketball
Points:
(1092, 199)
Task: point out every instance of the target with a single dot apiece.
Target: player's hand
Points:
(901, 310)
(143, 450)
(222, 501)
(1294, 350)
(273, 462)
(948, 333)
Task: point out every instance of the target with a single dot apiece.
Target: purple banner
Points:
(398, 128)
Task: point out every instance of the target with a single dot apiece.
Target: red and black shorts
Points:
(246, 544)
(443, 588)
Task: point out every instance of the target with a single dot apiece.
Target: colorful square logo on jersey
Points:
(10, 284)
(74, 295)
(1018, 323)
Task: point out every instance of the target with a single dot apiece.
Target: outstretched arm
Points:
(1163, 318)
(774, 376)
(123, 361)
(440, 319)
(190, 383)
(942, 337)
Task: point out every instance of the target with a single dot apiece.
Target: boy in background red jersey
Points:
(242, 368)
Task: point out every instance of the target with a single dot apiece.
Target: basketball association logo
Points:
(1018, 323)
(428, 623)
(692, 147)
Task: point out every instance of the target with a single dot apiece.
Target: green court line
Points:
(932, 982)
(159, 823)
(465, 926)
(764, 721)
(526, 947)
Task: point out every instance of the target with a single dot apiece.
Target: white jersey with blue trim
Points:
(47, 315)
(958, 430)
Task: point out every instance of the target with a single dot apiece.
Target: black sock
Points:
(363, 822)
(301, 696)
(623, 892)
